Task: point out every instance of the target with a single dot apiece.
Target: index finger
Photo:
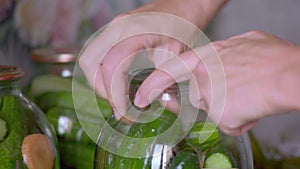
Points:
(175, 70)
(182, 68)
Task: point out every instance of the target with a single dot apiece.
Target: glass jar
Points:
(276, 142)
(55, 60)
(53, 70)
(51, 90)
(27, 140)
(164, 136)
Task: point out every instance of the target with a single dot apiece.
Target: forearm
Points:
(198, 12)
(209, 9)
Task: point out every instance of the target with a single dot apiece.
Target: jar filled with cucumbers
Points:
(168, 134)
(51, 90)
(27, 139)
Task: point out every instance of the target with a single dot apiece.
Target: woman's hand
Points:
(106, 59)
(259, 72)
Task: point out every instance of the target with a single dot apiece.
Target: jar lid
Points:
(137, 77)
(10, 72)
(55, 54)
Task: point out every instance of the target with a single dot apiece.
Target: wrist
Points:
(198, 12)
(208, 9)
(201, 12)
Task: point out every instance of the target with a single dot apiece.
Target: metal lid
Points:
(10, 72)
(137, 77)
(55, 54)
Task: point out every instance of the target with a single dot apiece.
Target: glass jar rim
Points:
(137, 76)
(10, 72)
(65, 54)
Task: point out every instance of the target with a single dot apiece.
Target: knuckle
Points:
(200, 71)
(255, 33)
(229, 127)
(82, 61)
(219, 45)
(230, 131)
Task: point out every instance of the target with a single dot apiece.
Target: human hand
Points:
(106, 59)
(259, 73)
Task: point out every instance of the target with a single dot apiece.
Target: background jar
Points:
(27, 139)
(51, 89)
(55, 60)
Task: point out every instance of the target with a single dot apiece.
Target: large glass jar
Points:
(51, 90)
(27, 139)
(53, 70)
(162, 137)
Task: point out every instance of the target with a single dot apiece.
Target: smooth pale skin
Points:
(262, 71)
(262, 79)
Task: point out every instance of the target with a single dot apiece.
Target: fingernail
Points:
(138, 101)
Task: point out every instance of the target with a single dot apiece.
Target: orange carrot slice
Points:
(37, 152)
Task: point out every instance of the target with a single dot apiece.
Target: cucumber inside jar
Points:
(187, 154)
(197, 144)
(23, 137)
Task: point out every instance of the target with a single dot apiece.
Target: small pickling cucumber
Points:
(67, 126)
(65, 99)
(15, 132)
(77, 155)
(3, 129)
(52, 83)
(130, 147)
(218, 160)
(218, 157)
(203, 135)
(185, 160)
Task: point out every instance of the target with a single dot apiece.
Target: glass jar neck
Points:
(9, 87)
(60, 69)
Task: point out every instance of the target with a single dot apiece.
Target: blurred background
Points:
(29, 24)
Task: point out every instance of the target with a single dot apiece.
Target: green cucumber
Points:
(77, 155)
(129, 146)
(3, 129)
(67, 125)
(218, 160)
(150, 130)
(203, 135)
(53, 83)
(218, 157)
(10, 146)
(65, 99)
(185, 160)
(55, 99)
